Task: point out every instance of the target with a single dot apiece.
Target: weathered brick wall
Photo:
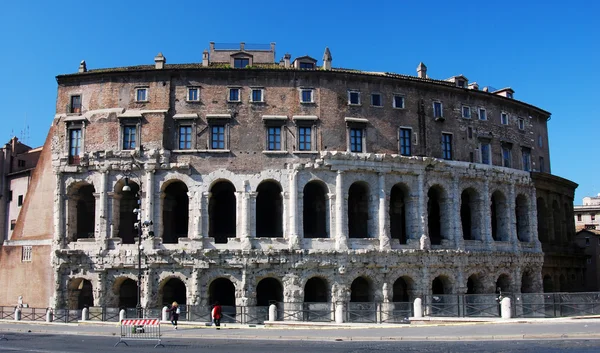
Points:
(32, 280)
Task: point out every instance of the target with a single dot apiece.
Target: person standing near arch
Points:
(216, 314)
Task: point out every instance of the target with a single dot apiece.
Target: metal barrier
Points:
(481, 305)
(442, 305)
(396, 312)
(362, 312)
(7, 313)
(33, 314)
(140, 330)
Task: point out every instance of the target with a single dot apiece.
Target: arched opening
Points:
(82, 211)
(175, 212)
(223, 291)
(174, 290)
(398, 226)
(548, 284)
(441, 285)
(475, 285)
(434, 222)
(563, 284)
(315, 291)
(81, 294)
(128, 294)
(360, 291)
(500, 224)
(358, 210)
(401, 290)
(568, 221)
(314, 210)
(128, 201)
(527, 280)
(269, 210)
(503, 284)
(268, 291)
(556, 217)
(542, 219)
(222, 212)
(522, 215)
(469, 214)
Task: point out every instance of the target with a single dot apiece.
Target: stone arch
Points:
(268, 291)
(398, 213)
(402, 289)
(548, 284)
(441, 285)
(127, 292)
(175, 211)
(542, 221)
(127, 201)
(358, 210)
(528, 282)
(314, 212)
(222, 290)
(437, 214)
(269, 210)
(522, 217)
(81, 211)
(557, 223)
(500, 217)
(222, 211)
(563, 283)
(503, 284)
(316, 290)
(361, 290)
(80, 293)
(172, 289)
(475, 284)
(470, 214)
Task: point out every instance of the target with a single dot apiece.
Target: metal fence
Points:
(556, 304)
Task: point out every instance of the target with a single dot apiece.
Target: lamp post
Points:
(138, 225)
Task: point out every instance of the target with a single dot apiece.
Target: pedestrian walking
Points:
(217, 314)
(175, 311)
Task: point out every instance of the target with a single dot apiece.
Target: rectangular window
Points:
(13, 223)
(274, 138)
(526, 157)
(353, 97)
(399, 102)
(542, 167)
(26, 253)
(356, 140)
(482, 114)
(234, 95)
(129, 137)
(307, 66)
(241, 63)
(185, 137)
(376, 100)
(540, 141)
(579, 220)
(217, 137)
(592, 216)
(20, 201)
(447, 146)
(21, 163)
(257, 95)
(466, 112)
(437, 110)
(193, 95)
(74, 142)
(306, 96)
(304, 138)
(141, 95)
(470, 132)
(504, 119)
(75, 104)
(506, 157)
(485, 153)
(405, 142)
(10, 195)
(521, 124)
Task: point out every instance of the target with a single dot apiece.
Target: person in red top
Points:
(216, 315)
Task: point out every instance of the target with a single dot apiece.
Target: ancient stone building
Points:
(259, 181)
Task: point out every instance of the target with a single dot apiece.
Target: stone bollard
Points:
(165, 314)
(49, 315)
(418, 307)
(339, 313)
(505, 308)
(122, 315)
(272, 312)
(18, 314)
(85, 314)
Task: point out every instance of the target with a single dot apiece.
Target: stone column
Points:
(194, 291)
(99, 289)
(341, 234)
(383, 226)
(204, 201)
(300, 217)
(330, 217)
(59, 212)
(197, 236)
(293, 241)
(102, 229)
(512, 218)
(533, 220)
(115, 206)
(486, 216)
(459, 241)
(147, 279)
(239, 214)
(424, 241)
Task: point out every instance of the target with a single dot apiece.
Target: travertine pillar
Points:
(205, 202)
(512, 218)
(341, 234)
(252, 214)
(102, 229)
(292, 214)
(59, 212)
(533, 221)
(383, 215)
(147, 209)
(424, 241)
(331, 215)
(486, 215)
(459, 242)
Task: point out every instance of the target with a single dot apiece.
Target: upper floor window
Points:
(257, 95)
(356, 139)
(75, 106)
(353, 97)
(304, 138)
(521, 123)
(447, 146)
(540, 141)
(542, 167)
(376, 100)
(26, 253)
(13, 224)
(482, 114)
(398, 102)
(461, 83)
(593, 216)
(21, 163)
(405, 141)
(74, 142)
(466, 112)
(579, 219)
(193, 94)
(506, 157)
(129, 137)
(307, 65)
(274, 138)
(526, 159)
(504, 119)
(234, 95)
(217, 137)
(240, 63)
(438, 110)
(306, 95)
(185, 137)
(485, 153)
(509, 94)
(141, 94)
(20, 201)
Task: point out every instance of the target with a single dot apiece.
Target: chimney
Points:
(327, 59)
(286, 60)
(205, 57)
(82, 66)
(212, 47)
(242, 45)
(159, 61)
(474, 86)
(422, 70)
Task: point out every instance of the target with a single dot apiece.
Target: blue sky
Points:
(547, 51)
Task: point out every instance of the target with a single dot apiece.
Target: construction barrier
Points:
(140, 330)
